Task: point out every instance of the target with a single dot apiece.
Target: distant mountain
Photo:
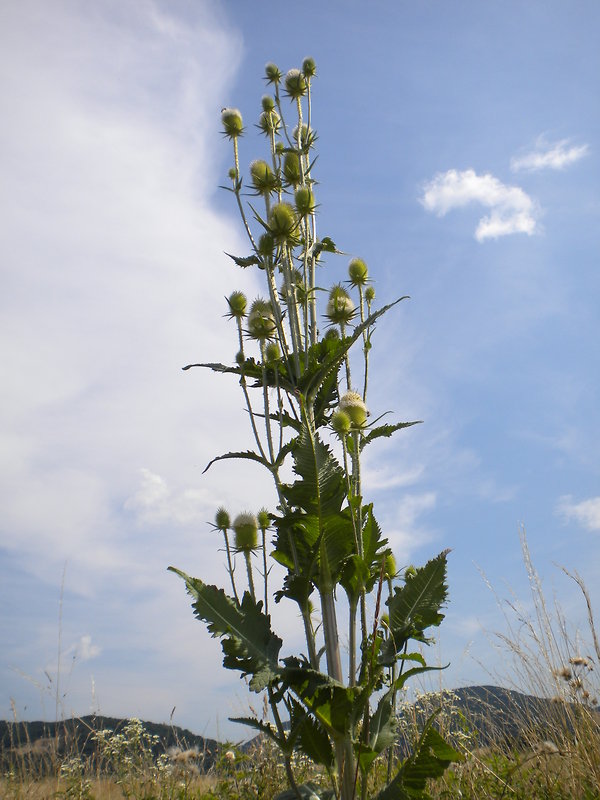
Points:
(499, 716)
(42, 740)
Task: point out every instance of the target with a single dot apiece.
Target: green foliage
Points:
(341, 717)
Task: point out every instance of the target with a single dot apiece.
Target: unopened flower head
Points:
(269, 122)
(309, 68)
(267, 102)
(237, 305)
(245, 526)
(295, 84)
(354, 406)
(390, 569)
(341, 423)
(279, 148)
(369, 294)
(282, 222)
(305, 201)
(265, 245)
(261, 323)
(307, 137)
(232, 173)
(272, 73)
(358, 272)
(263, 177)
(222, 520)
(272, 352)
(340, 308)
(291, 169)
(232, 122)
(263, 519)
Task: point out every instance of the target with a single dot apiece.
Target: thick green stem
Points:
(250, 578)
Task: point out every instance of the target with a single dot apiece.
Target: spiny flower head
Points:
(264, 179)
(267, 102)
(272, 73)
(295, 84)
(291, 168)
(269, 122)
(272, 352)
(390, 569)
(237, 305)
(305, 201)
(232, 122)
(222, 520)
(265, 245)
(309, 68)
(263, 518)
(245, 526)
(282, 222)
(358, 272)
(261, 322)
(340, 308)
(369, 294)
(341, 423)
(354, 406)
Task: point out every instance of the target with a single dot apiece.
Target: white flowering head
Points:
(354, 406)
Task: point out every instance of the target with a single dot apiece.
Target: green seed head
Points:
(239, 357)
(307, 136)
(341, 423)
(354, 406)
(358, 272)
(332, 334)
(282, 222)
(340, 308)
(295, 84)
(390, 569)
(232, 173)
(263, 518)
(267, 102)
(369, 294)
(279, 148)
(269, 122)
(232, 122)
(305, 201)
(245, 527)
(291, 168)
(263, 177)
(309, 68)
(272, 73)
(272, 352)
(265, 245)
(222, 520)
(261, 323)
(237, 305)
(410, 572)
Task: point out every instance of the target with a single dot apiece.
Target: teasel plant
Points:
(299, 390)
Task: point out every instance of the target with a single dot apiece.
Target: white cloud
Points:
(546, 155)
(512, 210)
(155, 503)
(586, 513)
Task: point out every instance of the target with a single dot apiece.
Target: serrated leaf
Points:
(248, 261)
(247, 641)
(385, 431)
(264, 727)
(249, 455)
(432, 756)
(309, 736)
(416, 606)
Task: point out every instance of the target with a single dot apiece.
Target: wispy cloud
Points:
(547, 155)
(511, 209)
(586, 513)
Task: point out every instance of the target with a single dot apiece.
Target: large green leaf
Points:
(432, 756)
(309, 736)
(248, 643)
(416, 606)
(321, 484)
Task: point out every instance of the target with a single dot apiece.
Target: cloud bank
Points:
(546, 155)
(511, 209)
(586, 512)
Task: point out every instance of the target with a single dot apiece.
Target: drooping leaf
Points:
(248, 643)
(416, 606)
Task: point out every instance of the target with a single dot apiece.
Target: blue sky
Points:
(458, 155)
